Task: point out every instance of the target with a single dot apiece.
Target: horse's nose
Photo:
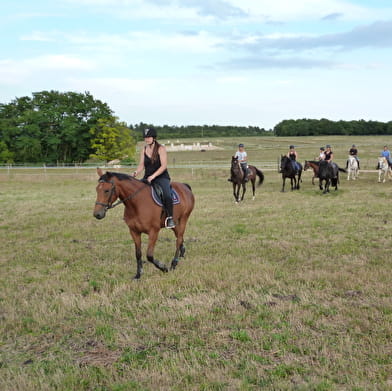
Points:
(100, 214)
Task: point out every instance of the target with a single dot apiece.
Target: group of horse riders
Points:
(325, 154)
(153, 160)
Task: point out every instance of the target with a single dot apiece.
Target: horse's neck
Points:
(314, 165)
(127, 188)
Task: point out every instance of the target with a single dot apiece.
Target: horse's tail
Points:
(342, 170)
(260, 175)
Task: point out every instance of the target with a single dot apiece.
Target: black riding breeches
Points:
(164, 183)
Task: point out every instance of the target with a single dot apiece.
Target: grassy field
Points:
(290, 291)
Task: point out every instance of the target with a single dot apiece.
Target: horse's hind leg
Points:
(253, 188)
(180, 248)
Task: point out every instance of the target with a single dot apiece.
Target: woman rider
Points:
(293, 156)
(328, 154)
(153, 160)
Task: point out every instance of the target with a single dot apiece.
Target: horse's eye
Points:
(106, 191)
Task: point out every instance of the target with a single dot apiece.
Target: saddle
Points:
(157, 195)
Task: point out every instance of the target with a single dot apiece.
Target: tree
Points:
(5, 155)
(112, 139)
(51, 126)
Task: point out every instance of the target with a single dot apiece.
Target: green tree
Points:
(112, 139)
(51, 126)
(5, 155)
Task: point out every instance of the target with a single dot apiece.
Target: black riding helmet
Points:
(150, 132)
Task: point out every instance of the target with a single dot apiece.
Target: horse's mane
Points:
(120, 176)
(314, 161)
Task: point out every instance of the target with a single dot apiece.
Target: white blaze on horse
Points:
(352, 168)
(384, 170)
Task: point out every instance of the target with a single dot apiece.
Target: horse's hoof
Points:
(174, 264)
(137, 277)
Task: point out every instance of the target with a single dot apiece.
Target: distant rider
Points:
(353, 152)
(328, 154)
(243, 160)
(387, 154)
(293, 156)
(321, 155)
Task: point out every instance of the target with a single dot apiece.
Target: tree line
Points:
(322, 127)
(54, 127)
(204, 131)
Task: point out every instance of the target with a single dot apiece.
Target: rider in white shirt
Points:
(243, 160)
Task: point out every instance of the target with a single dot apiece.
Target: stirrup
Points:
(169, 222)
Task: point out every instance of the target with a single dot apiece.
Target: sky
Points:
(204, 62)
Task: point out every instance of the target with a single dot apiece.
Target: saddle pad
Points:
(157, 200)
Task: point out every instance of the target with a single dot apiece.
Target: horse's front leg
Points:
(236, 192)
(152, 239)
(243, 191)
(137, 239)
(326, 188)
(298, 180)
(284, 182)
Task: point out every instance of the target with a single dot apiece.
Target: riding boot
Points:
(169, 222)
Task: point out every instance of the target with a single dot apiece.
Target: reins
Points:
(107, 205)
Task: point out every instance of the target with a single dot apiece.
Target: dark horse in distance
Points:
(237, 178)
(142, 214)
(329, 174)
(288, 171)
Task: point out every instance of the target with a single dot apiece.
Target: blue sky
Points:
(224, 62)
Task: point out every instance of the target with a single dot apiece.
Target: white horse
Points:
(352, 168)
(384, 170)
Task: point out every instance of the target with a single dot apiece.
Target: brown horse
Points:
(142, 214)
(237, 178)
(314, 165)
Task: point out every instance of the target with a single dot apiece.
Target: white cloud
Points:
(59, 62)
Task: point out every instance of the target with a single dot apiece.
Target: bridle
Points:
(109, 205)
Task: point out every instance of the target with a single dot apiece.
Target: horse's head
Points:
(235, 164)
(382, 163)
(284, 162)
(106, 194)
(306, 165)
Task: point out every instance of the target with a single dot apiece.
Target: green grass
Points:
(290, 291)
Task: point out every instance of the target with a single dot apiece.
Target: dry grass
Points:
(287, 292)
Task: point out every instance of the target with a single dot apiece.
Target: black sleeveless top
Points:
(150, 167)
(328, 155)
(292, 156)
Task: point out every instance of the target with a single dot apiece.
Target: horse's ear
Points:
(99, 172)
